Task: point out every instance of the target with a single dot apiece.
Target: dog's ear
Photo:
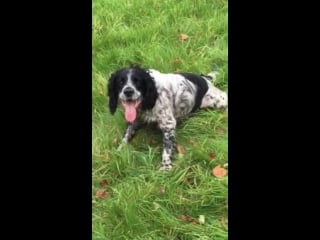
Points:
(150, 93)
(113, 92)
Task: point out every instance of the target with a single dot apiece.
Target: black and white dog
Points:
(151, 96)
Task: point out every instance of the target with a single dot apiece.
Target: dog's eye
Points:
(134, 80)
(122, 81)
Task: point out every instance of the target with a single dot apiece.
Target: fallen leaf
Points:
(177, 60)
(181, 149)
(224, 222)
(102, 193)
(183, 36)
(220, 131)
(114, 141)
(183, 217)
(99, 26)
(201, 219)
(212, 156)
(107, 157)
(178, 70)
(162, 191)
(219, 172)
(193, 143)
(103, 183)
(188, 219)
(225, 165)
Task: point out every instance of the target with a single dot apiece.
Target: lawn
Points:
(131, 198)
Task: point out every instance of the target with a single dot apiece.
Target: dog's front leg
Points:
(131, 130)
(168, 131)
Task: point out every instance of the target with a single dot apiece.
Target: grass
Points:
(145, 203)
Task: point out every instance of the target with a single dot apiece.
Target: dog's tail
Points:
(212, 76)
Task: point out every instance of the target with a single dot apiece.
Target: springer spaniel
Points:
(151, 96)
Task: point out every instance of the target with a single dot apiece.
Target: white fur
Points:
(176, 99)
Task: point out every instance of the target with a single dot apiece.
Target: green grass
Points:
(147, 32)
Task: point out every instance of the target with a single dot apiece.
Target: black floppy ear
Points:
(150, 94)
(113, 93)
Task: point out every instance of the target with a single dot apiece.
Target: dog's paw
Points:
(222, 101)
(165, 167)
(213, 76)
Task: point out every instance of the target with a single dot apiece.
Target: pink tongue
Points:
(130, 111)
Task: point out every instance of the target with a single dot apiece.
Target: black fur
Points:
(147, 87)
(143, 82)
(206, 76)
(175, 101)
(202, 86)
(113, 91)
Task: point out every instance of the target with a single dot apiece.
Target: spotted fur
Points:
(165, 99)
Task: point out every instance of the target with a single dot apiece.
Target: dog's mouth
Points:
(130, 109)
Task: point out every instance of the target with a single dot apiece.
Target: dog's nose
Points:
(128, 91)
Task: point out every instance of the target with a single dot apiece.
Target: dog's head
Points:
(134, 88)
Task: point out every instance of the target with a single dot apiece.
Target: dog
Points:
(149, 96)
